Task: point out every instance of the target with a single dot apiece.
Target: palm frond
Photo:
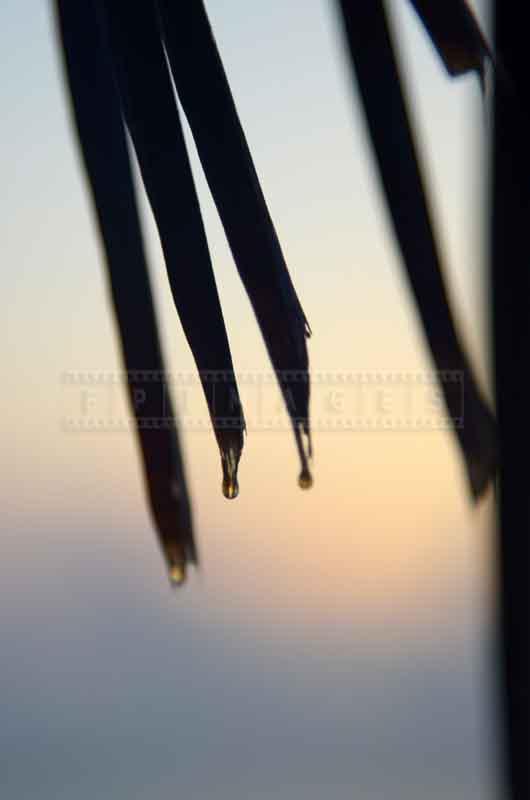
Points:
(152, 118)
(204, 92)
(375, 68)
(101, 134)
(456, 35)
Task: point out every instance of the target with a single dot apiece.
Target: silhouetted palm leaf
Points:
(205, 95)
(104, 149)
(152, 118)
(455, 34)
(373, 61)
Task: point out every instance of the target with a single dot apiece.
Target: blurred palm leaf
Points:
(392, 138)
(455, 34)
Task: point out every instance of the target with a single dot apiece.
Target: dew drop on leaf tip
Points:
(305, 479)
(177, 575)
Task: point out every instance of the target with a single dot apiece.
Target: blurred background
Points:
(336, 641)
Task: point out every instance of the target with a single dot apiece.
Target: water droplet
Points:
(230, 460)
(177, 574)
(230, 489)
(305, 479)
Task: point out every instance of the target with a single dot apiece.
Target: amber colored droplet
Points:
(305, 479)
(230, 461)
(230, 489)
(177, 574)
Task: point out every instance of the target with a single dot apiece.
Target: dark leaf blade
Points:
(392, 139)
(152, 118)
(455, 33)
(101, 135)
(207, 101)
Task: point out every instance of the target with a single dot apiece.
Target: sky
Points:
(335, 642)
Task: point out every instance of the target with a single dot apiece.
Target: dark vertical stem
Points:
(510, 283)
(374, 64)
(101, 133)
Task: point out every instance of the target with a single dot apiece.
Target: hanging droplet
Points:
(230, 461)
(230, 489)
(177, 574)
(303, 443)
(305, 479)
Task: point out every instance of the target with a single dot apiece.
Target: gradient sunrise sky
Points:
(336, 642)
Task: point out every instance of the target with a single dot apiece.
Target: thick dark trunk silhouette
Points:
(510, 285)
